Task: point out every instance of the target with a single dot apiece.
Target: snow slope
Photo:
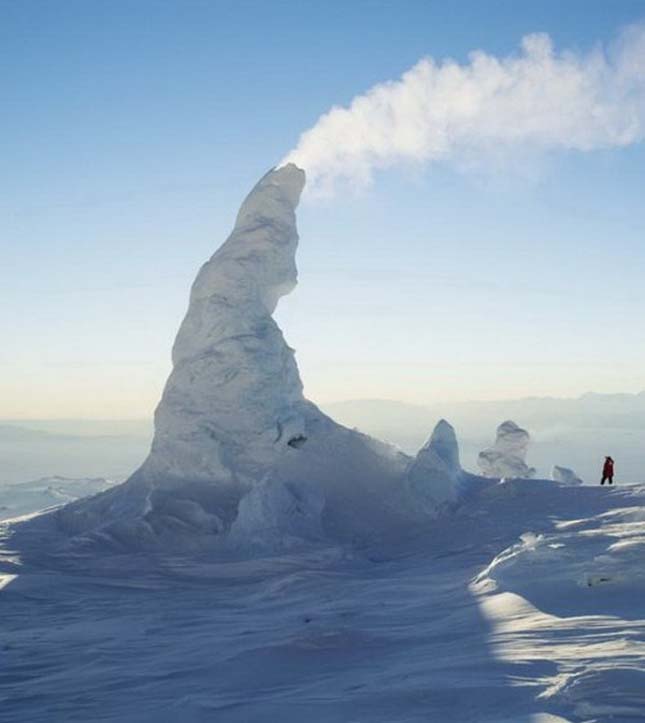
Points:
(525, 605)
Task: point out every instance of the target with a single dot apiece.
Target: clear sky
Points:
(131, 131)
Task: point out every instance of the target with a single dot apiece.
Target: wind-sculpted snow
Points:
(507, 457)
(579, 585)
(527, 605)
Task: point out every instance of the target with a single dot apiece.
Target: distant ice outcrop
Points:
(565, 476)
(506, 458)
(434, 474)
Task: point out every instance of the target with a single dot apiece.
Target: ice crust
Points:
(507, 457)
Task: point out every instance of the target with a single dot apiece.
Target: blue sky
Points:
(132, 130)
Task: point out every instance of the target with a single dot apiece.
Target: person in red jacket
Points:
(608, 471)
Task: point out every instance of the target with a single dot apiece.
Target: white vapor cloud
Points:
(539, 99)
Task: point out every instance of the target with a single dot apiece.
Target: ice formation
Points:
(233, 403)
(237, 448)
(435, 473)
(565, 476)
(275, 514)
(507, 457)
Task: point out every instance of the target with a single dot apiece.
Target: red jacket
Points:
(608, 468)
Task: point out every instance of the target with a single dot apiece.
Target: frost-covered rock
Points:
(434, 474)
(565, 476)
(507, 457)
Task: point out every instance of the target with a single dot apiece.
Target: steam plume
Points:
(539, 98)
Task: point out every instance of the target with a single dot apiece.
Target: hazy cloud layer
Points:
(539, 99)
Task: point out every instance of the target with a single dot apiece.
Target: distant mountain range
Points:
(571, 432)
(31, 449)
(76, 427)
(616, 411)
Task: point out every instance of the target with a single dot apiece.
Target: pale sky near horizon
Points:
(131, 132)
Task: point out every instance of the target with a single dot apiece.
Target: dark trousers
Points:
(607, 477)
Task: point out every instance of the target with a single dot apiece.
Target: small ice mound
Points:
(434, 474)
(277, 515)
(507, 457)
(565, 476)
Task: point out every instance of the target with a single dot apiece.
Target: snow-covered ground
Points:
(266, 563)
(25, 498)
(527, 603)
